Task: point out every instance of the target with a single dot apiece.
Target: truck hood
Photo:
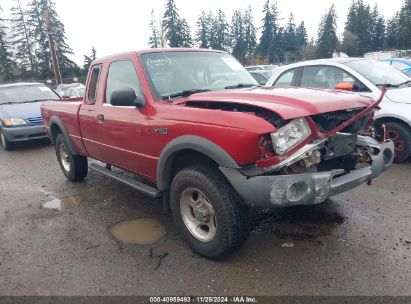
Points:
(402, 95)
(20, 110)
(287, 102)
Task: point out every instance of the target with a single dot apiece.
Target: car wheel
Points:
(6, 144)
(401, 136)
(74, 167)
(207, 213)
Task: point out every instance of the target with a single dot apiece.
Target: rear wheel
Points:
(207, 212)
(6, 144)
(401, 136)
(74, 167)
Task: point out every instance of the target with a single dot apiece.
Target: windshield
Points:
(378, 73)
(26, 93)
(171, 73)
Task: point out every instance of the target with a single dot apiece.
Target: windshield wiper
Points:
(405, 82)
(25, 101)
(241, 85)
(184, 93)
(388, 85)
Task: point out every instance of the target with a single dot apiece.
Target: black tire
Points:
(6, 144)
(231, 217)
(401, 135)
(74, 167)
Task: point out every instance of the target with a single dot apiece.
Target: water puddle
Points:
(66, 202)
(142, 231)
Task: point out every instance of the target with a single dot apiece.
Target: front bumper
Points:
(23, 133)
(268, 191)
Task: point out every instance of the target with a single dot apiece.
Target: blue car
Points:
(403, 65)
(20, 117)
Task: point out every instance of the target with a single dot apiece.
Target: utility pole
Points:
(53, 53)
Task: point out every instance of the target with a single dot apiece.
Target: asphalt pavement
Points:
(358, 243)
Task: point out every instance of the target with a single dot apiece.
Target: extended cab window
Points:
(122, 75)
(286, 79)
(93, 84)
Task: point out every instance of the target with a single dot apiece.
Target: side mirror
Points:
(345, 86)
(127, 98)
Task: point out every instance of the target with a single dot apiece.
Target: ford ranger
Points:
(194, 127)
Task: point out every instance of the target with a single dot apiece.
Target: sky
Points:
(123, 25)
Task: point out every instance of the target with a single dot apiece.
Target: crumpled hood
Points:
(20, 110)
(287, 102)
(402, 95)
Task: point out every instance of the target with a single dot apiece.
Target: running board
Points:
(135, 184)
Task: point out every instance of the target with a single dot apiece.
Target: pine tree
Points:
(350, 43)
(6, 56)
(327, 37)
(220, 32)
(176, 29)
(88, 60)
(250, 33)
(290, 37)
(22, 40)
(277, 33)
(35, 21)
(391, 39)
(154, 40)
(266, 43)
(301, 35)
(237, 36)
(404, 25)
(360, 23)
(377, 30)
(203, 31)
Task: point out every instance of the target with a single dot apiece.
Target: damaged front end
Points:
(312, 159)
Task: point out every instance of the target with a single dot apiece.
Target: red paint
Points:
(127, 139)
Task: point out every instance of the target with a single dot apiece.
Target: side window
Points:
(122, 75)
(286, 79)
(260, 78)
(93, 84)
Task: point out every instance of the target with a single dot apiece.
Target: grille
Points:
(35, 120)
(329, 121)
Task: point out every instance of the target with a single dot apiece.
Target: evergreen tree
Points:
(88, 60)
(35, 21)
(377, 30)
(238, 36)
(266, 43)
(290, 37)
(360, 23)
(22, 40)
(6, 60)
(391, 39)
(277, 33)
(154, 40)
(350, 43)
(327, 37)
(301, 35)
(176, 29)
(220, 32)
(203, 31)
(250, 33)
(404, 25)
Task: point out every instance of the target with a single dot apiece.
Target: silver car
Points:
(363, 76)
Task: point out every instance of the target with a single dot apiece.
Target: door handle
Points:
(100, 117)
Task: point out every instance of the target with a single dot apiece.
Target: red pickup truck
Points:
(193, 127)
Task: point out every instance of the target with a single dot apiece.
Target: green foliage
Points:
(327, 37)
(220, 32)
(88, 59)
(6, 56)
(176, 29)
(154, 41)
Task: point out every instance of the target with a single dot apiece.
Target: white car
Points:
(366, 77)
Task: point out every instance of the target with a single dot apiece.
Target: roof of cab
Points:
(155, 50)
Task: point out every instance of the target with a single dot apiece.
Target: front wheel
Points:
(207, 212)
(74, 167)
(6, 144)
(401, 136)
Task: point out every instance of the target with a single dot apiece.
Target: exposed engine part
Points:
(304, 165)
(329, 121)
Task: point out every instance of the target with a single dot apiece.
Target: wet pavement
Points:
(62, 238)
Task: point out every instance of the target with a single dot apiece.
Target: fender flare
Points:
(189, 142)
(57, 121)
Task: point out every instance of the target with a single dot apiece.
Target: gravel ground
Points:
(358, 243)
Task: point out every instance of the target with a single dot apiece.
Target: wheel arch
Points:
(183, 146)
(397, 119)
(57, 127)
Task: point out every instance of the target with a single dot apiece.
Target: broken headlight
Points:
(290, 135)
